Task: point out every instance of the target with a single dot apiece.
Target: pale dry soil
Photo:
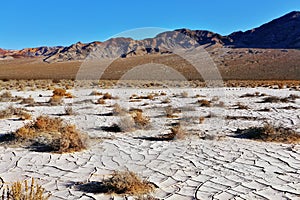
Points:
(219, 167)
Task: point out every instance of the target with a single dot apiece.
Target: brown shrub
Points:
(100, 101)
(53, 134)
(270, 133)
(118, 110)
(170, 112)
(241, 106)
(30, 101)
(69, 110)
(126, 123)
(274, 99)
(201, 120)
(204, 103)
(61, 93)
(139, 119)
(127, 183)
(56, 100)
(96, 93)
(166, 100)
(7, 97)
(184, 94)
(11, 111)
(107, 96)
(25, 191)
(177, 132)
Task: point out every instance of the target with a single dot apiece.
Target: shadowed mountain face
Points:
(281, 33)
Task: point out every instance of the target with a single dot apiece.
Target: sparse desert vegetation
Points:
(50, 134)
(127, 182)
(270, 133)
(24, 190)
(145, 129)
(17, 112)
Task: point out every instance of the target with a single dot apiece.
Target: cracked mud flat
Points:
(222, 167)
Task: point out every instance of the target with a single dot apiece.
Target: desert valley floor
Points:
(209, 161)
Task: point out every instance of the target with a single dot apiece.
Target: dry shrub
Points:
(204, 103)
(274, 99)
(126, 123)
(118, 110)
(96, 93)
(61, 93)
(107, 96)
(56, 100)
(293, 97)
(270, 133)
(220, 104)
(134, 120)
(177, 132)
(201, 120)
(215, 98)
(24, 191)
(11, 111)
(52, 134)
(166, 100)
(139, 119)
(69, 110)
(149, 96)
(30, 101)
(127, 182)
(8, 97)
(241, 106)
(184, 94)
(256, 94)
(170, 112)
(100, 101)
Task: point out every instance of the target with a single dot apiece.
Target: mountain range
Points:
(277, 40)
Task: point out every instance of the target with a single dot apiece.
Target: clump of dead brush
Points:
(96, 93)
(241, 106)
(29, 101)
(12, 111)
(60, 92)
(171, 112)
(25, 191)
(51, 134)
(204, 103)
(69, 110)
(118, 110)
(274, 99)
(166, 100)
(127, 182)
(184, 94)
(8, 97)
(176, 133)
(139, 119)
(56, 100)
(132, 120)
(270, 133)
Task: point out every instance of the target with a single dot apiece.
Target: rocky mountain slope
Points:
(281, 33)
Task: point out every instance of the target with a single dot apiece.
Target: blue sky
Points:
(34, 23)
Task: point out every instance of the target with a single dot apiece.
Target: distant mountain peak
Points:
(283, 32)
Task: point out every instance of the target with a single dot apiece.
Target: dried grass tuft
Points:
(127, 182)
(204, 103)
(24, 191)
(270, 133)
(12, 111)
